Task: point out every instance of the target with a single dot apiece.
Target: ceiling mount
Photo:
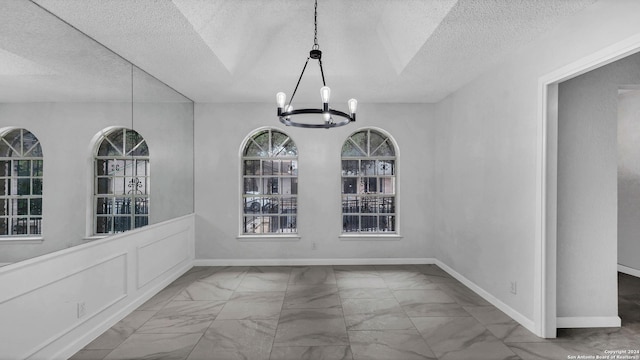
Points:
(286, 114)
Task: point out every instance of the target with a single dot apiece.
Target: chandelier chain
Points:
(315, 24)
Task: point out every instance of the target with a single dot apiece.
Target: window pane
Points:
(290, 149)
(19, 226)
(37, 167)
(289, 205)
(251, 186)
(268, 167)
(277, 141)
(22, 167)
(128, 167)
(104, 186)
(350, 149)
(104, 205)
(24, 186)
(5, 187)
(368, 167)
(121, 223)
(384, 150)
(35, 206)
(350, 205)
(369, 223)
(370, 185)
(35, 225)
(4, 207)
(135, 186)
(141, 221)
(141, 150)
(4, 226)
(387, 185)
(375, 140)
(5, 168)
(122, 206)
(350, 167)
(350, 223)
(369, 205)
(289, 186)
(22, 207)
(252, 167)
(349, 185)
(142, 206)
(289, 167)
(387, 223)
(271, 206)
(360, 139)
(103, 225)
(106, 149)
(142, 168)
(115, 167)
(12, 138)
(273, 186)
(388, 205)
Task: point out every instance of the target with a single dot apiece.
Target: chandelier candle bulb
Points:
(353, 106)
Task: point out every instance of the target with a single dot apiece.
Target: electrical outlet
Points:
(82, 309)
(514, 287)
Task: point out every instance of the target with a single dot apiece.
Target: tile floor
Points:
(341, 312)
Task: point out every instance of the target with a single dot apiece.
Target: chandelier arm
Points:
(322, 72)
(287, 116)
(300, 78)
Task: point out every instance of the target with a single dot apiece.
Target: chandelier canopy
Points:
(287, 113)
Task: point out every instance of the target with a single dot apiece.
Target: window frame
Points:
(131, 197)
(242, 209)
(371, 235)
(13, 181)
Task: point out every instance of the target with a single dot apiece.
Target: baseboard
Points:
(515, 315)
(303, 262)
(629, 271)
(100, 328)
(588, 321)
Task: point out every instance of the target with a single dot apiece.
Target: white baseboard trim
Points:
(588, 321)
(629, 271)
(515, 315)
(303, 262)
(99, 329)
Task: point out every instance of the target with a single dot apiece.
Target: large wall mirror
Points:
(62, 97)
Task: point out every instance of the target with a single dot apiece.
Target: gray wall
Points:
(220, 131)
(629, 179)
(587, 188)
(65, 131)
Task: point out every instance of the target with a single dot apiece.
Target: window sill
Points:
(21, 240)
(370, 237)
(267, 238)
(94, 237)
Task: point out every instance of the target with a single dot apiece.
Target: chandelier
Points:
(330, 117)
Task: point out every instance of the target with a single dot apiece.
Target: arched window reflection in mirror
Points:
(121, 182)
(21, 178)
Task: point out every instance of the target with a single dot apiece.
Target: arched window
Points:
(20, 183)
(270, 184)
(368, 183)
(121, 186)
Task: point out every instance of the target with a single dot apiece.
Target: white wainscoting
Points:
(53, 305)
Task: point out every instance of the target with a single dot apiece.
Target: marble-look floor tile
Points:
(87, 354)
(352, 271)
(341, 352)
(389, 344)
(397, 281)
(236, 339)
(265, 278)
(362, 282)
(369, 293)
(118, 333)
(461, 338)
(312, 275)
(311, 327)
(155, 346)
(375, 314)
(551, 350)
(253, 306)
(183, 317)
(463, 295)
(217, 286)
(602, 338)
(311, 297)
(423, 303)
(501, 325)
(159, 300)
(435, 274)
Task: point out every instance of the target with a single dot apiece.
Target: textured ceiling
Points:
(246, 51)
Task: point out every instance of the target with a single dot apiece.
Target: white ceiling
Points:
(247, 50)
